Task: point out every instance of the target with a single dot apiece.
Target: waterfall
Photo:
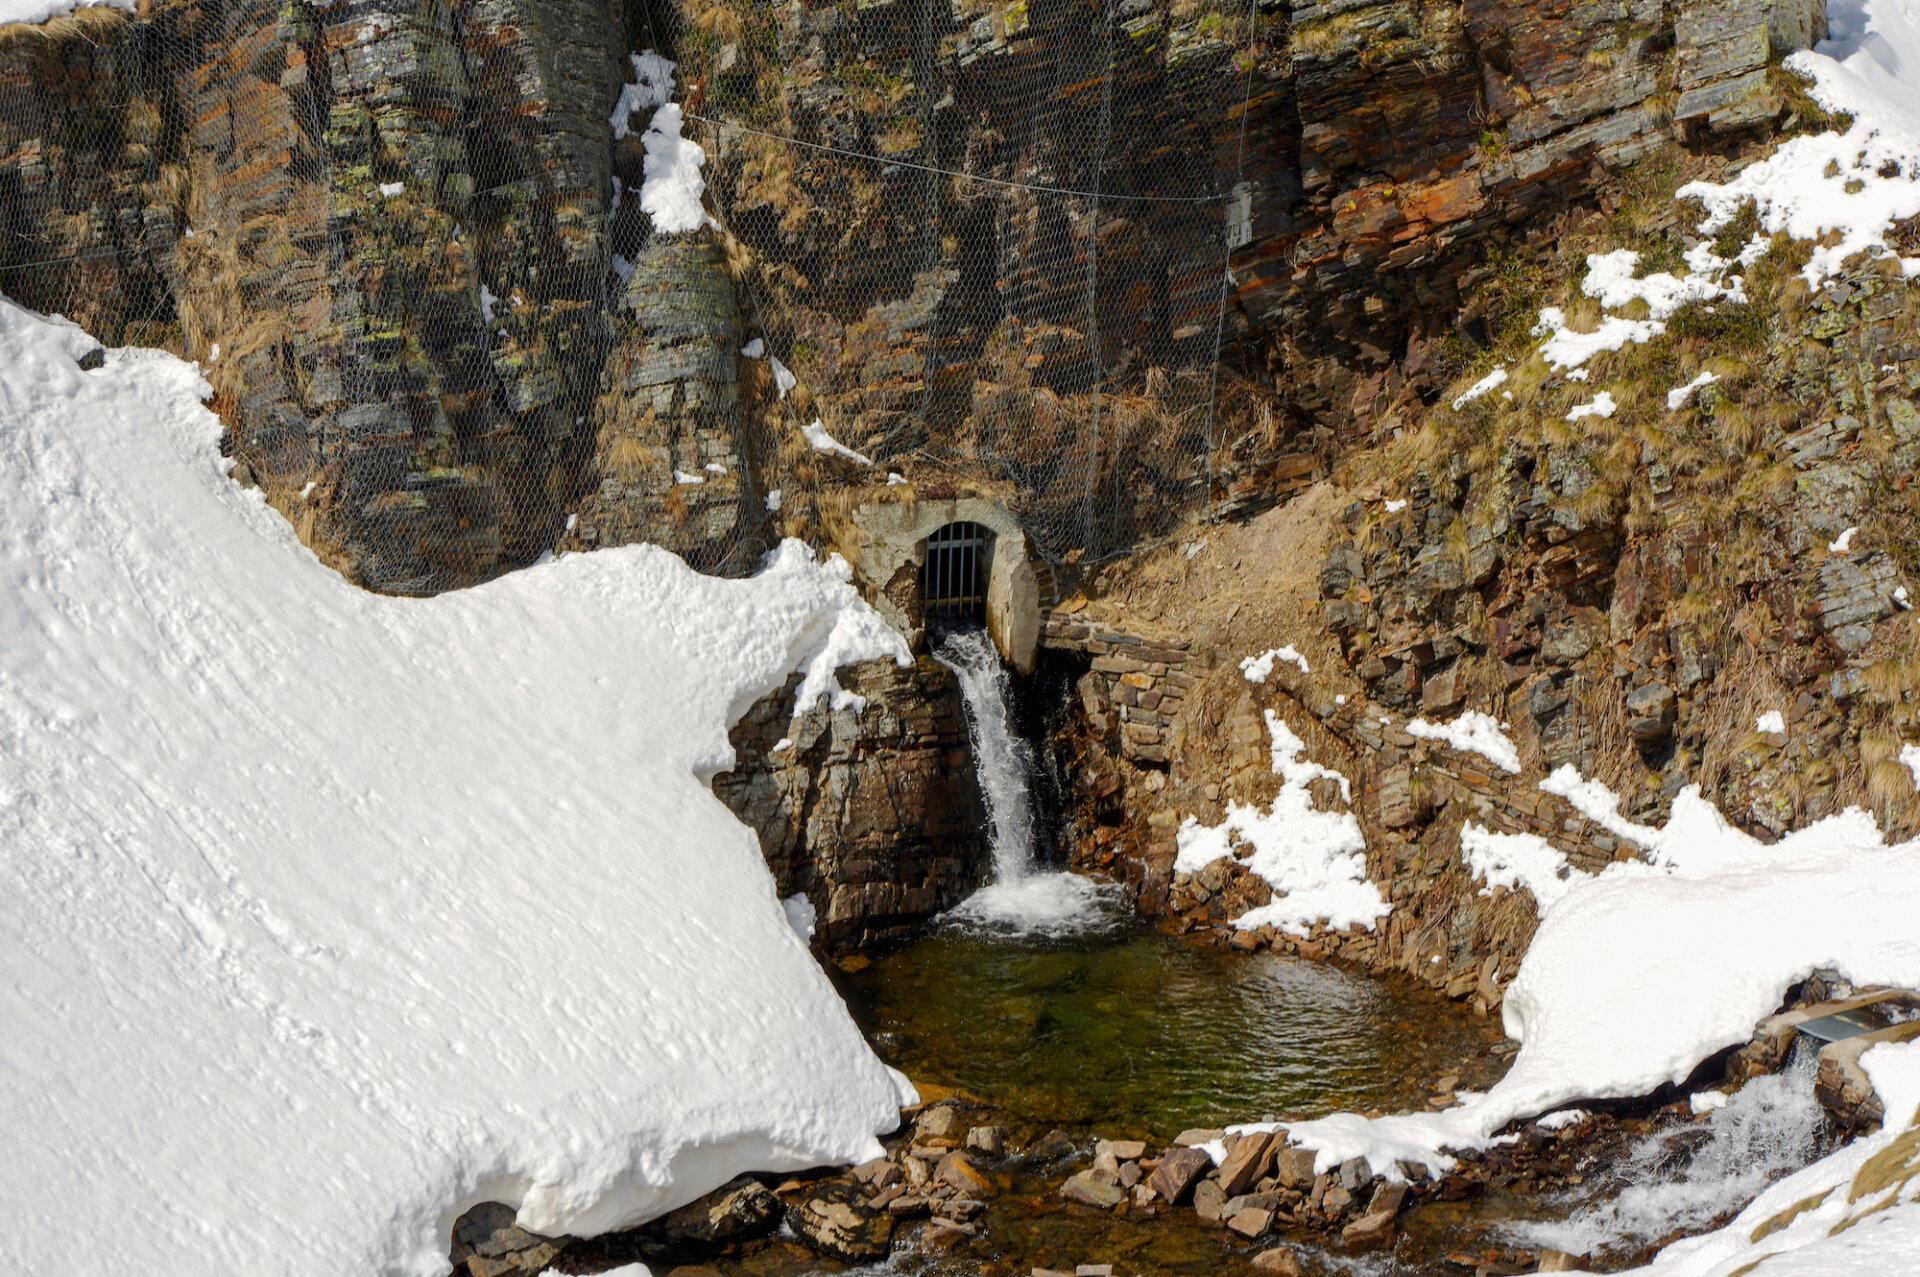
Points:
(1003, 762)
(1020, 897)
(1686, 1178)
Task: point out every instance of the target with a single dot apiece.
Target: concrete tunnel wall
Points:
(896, 545)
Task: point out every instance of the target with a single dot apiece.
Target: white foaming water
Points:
(1674, 1181)
(1000, 759)
(1018, 898)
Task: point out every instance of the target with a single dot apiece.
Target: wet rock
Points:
(1088, 1191)
(1122, 1150)
(1371, 1231)
(964, 1209)
(1179, 1170)
(960, 1174)
(1278, 1262)
(1559, 1261)
(832, 1220)
(1252, 1222)
(1208, 1198)
(1250, 1201)
(1051, 1145)
(1376, 1228)
(740, 1209)
(941, 1122)
(945, 1234)
(991, 1140)
(1106, 1167)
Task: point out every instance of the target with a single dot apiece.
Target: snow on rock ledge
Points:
(331, 915)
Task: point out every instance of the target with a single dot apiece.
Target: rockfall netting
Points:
(466, 292)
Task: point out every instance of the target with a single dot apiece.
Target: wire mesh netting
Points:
(462, 300)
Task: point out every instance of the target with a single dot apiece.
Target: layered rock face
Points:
(1360, 159)
(875, 816)
(1707, 587)
(383, 229)
(401, 240)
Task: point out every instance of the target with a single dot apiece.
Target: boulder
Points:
(941, 1122)
(1371, 1231)
(1179, 1171)
(1251, 1222)
(740, 1209)
(1246, 1162)
(1208, 1198)
(1293, 1167)
(831, 1219)
(957, 1172)
(1278, 1262)
(1088, 1191)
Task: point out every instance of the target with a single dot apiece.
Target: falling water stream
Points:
(1021, 896)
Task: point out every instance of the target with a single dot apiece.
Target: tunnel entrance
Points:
(953, 580)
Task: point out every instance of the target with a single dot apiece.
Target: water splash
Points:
(1689, 1177)
(1020, 897)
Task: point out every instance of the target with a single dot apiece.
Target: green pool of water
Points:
(1135, 1033)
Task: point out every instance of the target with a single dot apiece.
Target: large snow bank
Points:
(329, 915)
(1643, 970)
(1314, 860)
(1855, 184)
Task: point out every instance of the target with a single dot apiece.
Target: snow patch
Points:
(1313, 859)
(1492, 381)
(671, 193)
(1646, 968)
(34, 12)
(279, 914)
(1853, 185)
(754, 349)
(1565, 348)
(1771, 721)
(1678, 396)
(1473, 732)
(1514, 861)
(1842, 543)
(820, 441)
(651, 89)
(783, 378)
(1601, 406)
(1257, 668)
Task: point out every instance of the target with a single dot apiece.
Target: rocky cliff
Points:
(994, 241)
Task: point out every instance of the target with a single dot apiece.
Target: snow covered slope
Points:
(329, 915)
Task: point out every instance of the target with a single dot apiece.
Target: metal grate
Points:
(953, 580)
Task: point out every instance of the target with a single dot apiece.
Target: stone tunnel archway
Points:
(895, 551)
